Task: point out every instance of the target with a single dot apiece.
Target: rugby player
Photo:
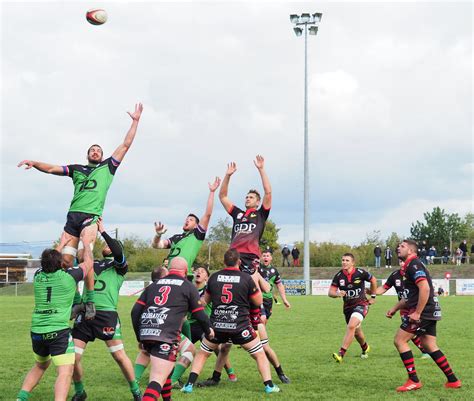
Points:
(423, 313)
(349, 284)
(395, 280)
(233, 294)
(51, 339)
(157, 317)
(91, 184)
(109, 277)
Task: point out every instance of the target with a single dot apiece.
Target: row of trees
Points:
(438, 228)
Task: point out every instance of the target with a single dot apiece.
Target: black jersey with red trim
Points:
(354, 286)
(166, 303)
(247, 229)
(230, 291)
(395, 280)
(413, 272)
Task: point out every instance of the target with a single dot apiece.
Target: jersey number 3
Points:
(226, 297)
(165, 291)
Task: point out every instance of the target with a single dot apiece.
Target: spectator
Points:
(378, 255)
(295, 254)
(388, 258)
(446, 254)
(458, 256)
(423, 254)
(440, 291)
(431, 255)
(463, 248)
(285, 252)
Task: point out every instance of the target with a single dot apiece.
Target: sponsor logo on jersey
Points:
(342, 282)
(419, 274)
(253, 215)
(240, 215)
(225, 313)
(245, 333)
(154, 315)
(220, 325)
(353, 293)
(244, 227)
(228, 279)
(357, 281)
(170, 281)
(398, 282)
(150, 332)
(165, 347)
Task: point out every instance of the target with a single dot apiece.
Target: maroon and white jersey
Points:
(247, 229)
(414, 271)
(354, 286)
(230, 291)
(165, 304)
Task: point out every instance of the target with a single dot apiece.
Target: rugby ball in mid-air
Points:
(96, 16)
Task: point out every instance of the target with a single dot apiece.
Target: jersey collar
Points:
(406, 263)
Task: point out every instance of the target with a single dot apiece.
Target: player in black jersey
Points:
(157, 318)
(423, 313)
(233, 294)
(349, 283)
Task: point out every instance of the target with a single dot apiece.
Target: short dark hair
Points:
(157, 273)
(51, 260)
(254, 191)
(90, 147)
(193, 215)
(412, 243)
(231, 257)
(202, 267)
(350, 255)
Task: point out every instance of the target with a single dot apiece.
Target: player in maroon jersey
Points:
(423, 313)
(349, 283)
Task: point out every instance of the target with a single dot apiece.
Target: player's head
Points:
(158, 272)
(232, 258)
(201, 274)
(348, 261)
(407, 248)
(252, 199)
(178, 265)
(95, 154)
(267, 257)
(191, 222)
(165, 263)
(51, 260)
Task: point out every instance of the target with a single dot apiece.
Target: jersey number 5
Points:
(161, 300)
(226, 297)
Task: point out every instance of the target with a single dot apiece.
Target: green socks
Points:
(177, 372)
(78, 387)
(139, 369)
(22, 395)
(134, 386)
(230, 371)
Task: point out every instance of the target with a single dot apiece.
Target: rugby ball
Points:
(96, 16)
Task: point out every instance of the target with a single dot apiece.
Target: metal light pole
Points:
(307, 23)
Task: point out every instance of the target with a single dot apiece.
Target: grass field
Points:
(304, 338)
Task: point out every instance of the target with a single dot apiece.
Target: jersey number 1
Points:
(49, 290)
(161, 300)
(226, 297)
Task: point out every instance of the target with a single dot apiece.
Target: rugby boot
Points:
(365, 354)
(90, 311)
(178, 385)
(187, 388)
(137, 396)
(284, 378)
(208, 383)
(456, 384)
(337, 357)
(232, 377)
(410, 385)
(425, 356)
(274, 389)
(79, 397)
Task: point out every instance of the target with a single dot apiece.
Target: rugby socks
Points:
(78, 387)
(152, 392)
(279, 371)
(409, 362)
(364, 347)
(268, 383)
(342, 351)
(22, 395)
(216, 376)
(134, 386)
(177, 372)
(192, 378)
(230, 371)
(443, 364)
(166, 392)
(417, 342)
(139, 369)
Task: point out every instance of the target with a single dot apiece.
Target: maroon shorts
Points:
(161, 350)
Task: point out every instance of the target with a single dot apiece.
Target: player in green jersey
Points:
(51, 339)
(188, 244)
(109, 277)
(91, 183)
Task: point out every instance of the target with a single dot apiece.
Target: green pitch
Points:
(304, 338)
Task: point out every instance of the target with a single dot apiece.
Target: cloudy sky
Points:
(390, 111)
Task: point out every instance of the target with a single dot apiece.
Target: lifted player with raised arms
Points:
(50, 333)
(349, 284)
(423, 313)
(109, 277)
(91, 184)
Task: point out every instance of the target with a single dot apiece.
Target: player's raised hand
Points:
(160, 228)
(231, 168)
(100, 225)
(137, 113)
(27, 163)
(259, 162)
(215, 184)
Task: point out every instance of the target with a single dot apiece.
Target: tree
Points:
(393, 241)
(270, 237)
(221, 232)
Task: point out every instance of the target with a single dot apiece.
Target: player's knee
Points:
(43, 365)
(117, 352)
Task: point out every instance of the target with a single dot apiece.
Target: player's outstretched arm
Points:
(226, 202)
(113, 244)
(399, 305)
(267, 188)
(204, 222)
(123, 148)
(157, 242)
(43, 167)
(381, 290)
(373, 290)
(281, 290)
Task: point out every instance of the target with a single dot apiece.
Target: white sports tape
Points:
(188, 355)
(358, 316)
(186, 344)
(78, 350)
(69, 250)
(115, 348)
(80, 247)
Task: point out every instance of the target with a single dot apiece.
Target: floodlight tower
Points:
(308, 23)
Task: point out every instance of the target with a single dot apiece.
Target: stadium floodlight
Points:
(310, 23)
(305, 17)
(294, 18)
(298, 31)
